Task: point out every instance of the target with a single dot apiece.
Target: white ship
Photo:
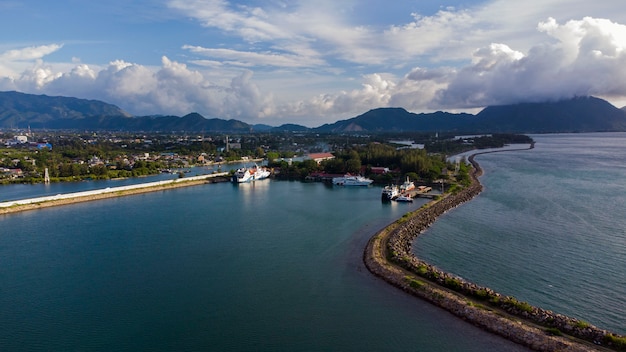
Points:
(404, 198)
(390, 192)
(249, 174)
(351, 180)
(407, 185)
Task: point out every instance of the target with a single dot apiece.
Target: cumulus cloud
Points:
(586, 57)
(13, 60)
(580, 57)
(172, 88)
(575, 57)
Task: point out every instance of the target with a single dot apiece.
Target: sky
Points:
(313, 62)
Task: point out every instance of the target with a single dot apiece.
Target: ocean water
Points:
(277, 266)
(549, 228)
(269, 266)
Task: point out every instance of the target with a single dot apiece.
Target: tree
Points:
(272, 156)
(353, 166)
(334, 166)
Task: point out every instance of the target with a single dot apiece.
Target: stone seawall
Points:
(389, 256)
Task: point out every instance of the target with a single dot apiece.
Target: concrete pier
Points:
(68, 198)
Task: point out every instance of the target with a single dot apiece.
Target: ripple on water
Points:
(549, 228)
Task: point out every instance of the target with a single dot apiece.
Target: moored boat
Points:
(407, 185)
(352, 180)
(404, 198)
(390, 192)
(249, 174)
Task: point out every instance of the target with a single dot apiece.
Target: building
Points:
(319, 157)
(379, 170)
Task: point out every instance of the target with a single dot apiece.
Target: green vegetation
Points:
(581, 324)
(452, 283)
(71, 156)
(481, 294)
(618, 342)
(415, 283)
(554, 331)
(417, 164)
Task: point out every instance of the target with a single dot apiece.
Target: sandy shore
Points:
(388, 255)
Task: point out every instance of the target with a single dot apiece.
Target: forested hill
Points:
(581, 114)
(19, 110)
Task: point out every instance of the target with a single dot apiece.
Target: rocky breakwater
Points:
(389, 256)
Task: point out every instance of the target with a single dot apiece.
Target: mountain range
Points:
(580, 114)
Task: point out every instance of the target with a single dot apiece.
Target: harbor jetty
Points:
(389, 256)
(109, 192)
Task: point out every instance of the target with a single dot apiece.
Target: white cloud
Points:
(251, 23)
(586, 58)
(250, 58)
(298, 60)
(29, 53)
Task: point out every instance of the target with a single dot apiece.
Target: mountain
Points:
(193, 122)
(290, 127)
(19, 110)
(400, 120)
(261, 128)
(580, 114)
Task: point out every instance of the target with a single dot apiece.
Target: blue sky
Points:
(312, 62)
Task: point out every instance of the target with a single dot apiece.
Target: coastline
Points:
(388, 255)
(111, 193)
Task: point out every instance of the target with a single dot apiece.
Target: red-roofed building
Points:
(379, 170)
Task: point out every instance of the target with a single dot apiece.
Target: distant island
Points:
(579, 114)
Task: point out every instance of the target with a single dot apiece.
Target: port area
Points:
(421, 192)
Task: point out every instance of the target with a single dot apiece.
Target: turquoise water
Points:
(270, 266)
(550, 228)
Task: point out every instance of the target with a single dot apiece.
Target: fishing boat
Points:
(352, 180)
(249, 174)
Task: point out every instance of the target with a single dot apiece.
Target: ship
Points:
(405, 198)
(390, 192)
(352, 180)
(249, 174)
(408, 185)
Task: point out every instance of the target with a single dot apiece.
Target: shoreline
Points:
(78, 197)
(388, 255)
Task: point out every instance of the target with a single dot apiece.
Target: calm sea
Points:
(276, 266)
(549, 228)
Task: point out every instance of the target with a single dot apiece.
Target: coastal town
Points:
(43, 156)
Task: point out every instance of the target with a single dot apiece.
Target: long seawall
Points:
(109, 192)
(389, 256)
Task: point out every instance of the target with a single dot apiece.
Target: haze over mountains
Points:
(580, 114)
